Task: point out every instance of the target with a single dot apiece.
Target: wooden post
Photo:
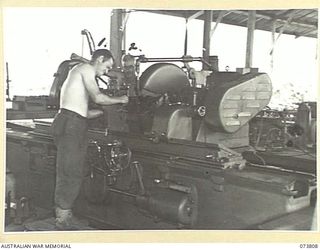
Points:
(206, 36)
(251, 27)
(116, 36)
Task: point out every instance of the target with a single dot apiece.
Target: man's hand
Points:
(124, 99)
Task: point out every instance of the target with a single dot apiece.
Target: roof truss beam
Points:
(196, 15)
(288, 21)
(219, 19)
(307, 32)
(276, 18)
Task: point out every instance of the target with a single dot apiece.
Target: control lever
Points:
(138, 169)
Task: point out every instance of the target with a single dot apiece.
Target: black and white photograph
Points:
(152, 119)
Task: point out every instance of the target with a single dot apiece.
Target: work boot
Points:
(66, 221)
(63, 219)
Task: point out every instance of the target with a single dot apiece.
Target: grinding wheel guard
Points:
(231, 105)
(161, 78)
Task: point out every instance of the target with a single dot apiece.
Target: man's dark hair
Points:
(101, 52)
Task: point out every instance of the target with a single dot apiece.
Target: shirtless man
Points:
(70, 130)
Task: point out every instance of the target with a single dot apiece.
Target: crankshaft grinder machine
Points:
(181, 103)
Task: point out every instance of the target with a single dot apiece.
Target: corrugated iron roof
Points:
(297, 22)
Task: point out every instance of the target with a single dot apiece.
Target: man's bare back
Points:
(81, 83)
(74, 95)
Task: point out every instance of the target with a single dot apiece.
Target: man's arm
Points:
(88, 78)
(94, 113)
